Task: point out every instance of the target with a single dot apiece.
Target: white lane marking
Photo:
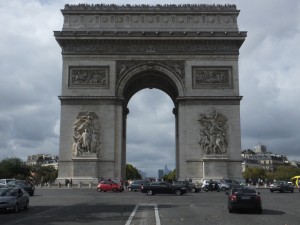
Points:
(132, 215)
(157, 219)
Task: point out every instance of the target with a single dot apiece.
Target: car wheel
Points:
(292, 191)
(98, 189)
(26, 205)
(271, 191)
(193, 190)
(223, 188)
(205, 189)
(178, 192)
(129, 189)
(16, 209)
(114, 190)
(149, 192)
(230, 210)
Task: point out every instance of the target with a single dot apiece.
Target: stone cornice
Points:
(210, 100)
(173, 34)
(90, 100)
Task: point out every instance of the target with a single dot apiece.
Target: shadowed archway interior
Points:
(150, 79)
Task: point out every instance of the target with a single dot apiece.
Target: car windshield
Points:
(8, 192)
(244, 191)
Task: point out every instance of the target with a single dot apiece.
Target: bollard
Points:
(41, 185)
(257, 185)
(265, 185)
(49, 185)
(59, 185)
(90, 185)
(79, 184)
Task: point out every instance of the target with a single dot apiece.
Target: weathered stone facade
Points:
(110, 52)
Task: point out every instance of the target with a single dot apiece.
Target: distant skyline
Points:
(31, 72)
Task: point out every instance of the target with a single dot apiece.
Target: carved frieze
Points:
(175, 66)
(213, 134)
(105, 47)
(87, 77)
(86, 135)
(212, 77)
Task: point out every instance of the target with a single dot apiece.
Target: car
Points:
(223, 186)
(13, 199)
(211, 186)
(192, 187)
(108, 185)
(282, 186)
(163, 188)
(135, 185)
(23, 184)
(230, 182)
(3, 182)
(244, 198)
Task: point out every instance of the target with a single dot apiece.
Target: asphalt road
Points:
(87, 206)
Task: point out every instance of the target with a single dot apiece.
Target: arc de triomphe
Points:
(111, 52)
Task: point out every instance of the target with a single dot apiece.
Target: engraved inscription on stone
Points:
(86, 135)
(88, 77)
(213, 133)
(212, 77)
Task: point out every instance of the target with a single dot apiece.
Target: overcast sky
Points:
(31, 63)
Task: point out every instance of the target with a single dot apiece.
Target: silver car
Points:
(223, 186)
(13, 199)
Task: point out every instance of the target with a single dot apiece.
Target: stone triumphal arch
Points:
(188, 51)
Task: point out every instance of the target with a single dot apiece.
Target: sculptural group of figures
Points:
(86, 135)
(213, 134)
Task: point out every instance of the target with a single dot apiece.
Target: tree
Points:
(44, 174)
(254, 172)
(132, 173)
(170, 176)
(286, 172)
(14, 168)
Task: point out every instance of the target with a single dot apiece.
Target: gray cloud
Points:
(30, 68)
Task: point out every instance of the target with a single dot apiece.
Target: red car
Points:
(108, 185)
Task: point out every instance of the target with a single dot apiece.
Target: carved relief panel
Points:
(212, 77)
(86, 135)
(87, 77)
(213, 133)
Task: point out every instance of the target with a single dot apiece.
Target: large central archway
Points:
(140, 75)
(111, 52)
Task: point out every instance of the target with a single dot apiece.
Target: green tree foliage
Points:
(281, 173)
(171, 176)
(132, 173)
(14, 168)
(254, 172)
(44, 174)
(286, 172)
